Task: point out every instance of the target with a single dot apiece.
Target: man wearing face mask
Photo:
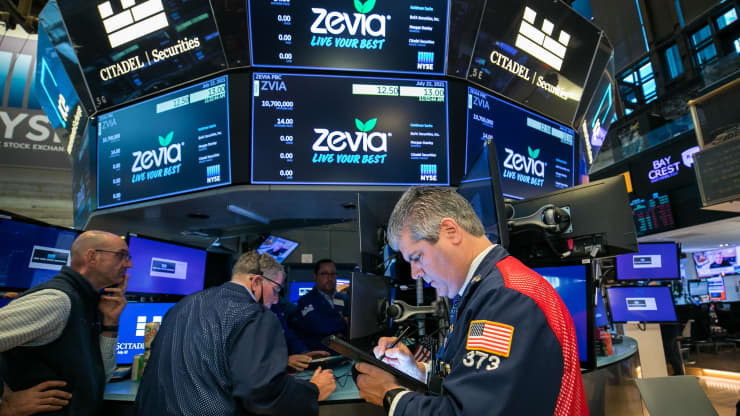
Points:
(221, 351)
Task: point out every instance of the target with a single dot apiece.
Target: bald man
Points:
(65, 330)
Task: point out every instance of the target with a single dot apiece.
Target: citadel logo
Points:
(337, 23)
(529, 165)
(337, 141)
(540, 43)
(134, 22)
(167, 154)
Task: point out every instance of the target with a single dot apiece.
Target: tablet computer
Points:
(353, 353)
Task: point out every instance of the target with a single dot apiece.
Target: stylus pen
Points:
(400, 337)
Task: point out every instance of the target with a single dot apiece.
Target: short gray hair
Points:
(252, 262)
(421, 210)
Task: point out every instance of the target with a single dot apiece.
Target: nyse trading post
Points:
(175, 143)
(383, 35)
(535, 155)
(314, 129)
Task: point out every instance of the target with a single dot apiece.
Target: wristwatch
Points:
(389, 396)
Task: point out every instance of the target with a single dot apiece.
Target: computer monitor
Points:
(32, 253)
(165, 268)
(641, 304)
(131, 328)
(4, 302)
(279, 248)
(600, 224)
(366, 293)
(601, 319)
(575, 289)
(342, 284)
(482, 188)
(717, 262)
(298, 289)
(716, 288)
(653, 261)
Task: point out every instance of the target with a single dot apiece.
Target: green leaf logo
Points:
(534, 154)
(366, 126)
(366, 7)
(165, 141)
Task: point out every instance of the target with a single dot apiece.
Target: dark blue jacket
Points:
(219, 352)
(534, 371)
(295, 345)
(315, 318)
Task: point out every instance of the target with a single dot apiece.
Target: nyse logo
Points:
(425, 60)
(428, 173)
(540, 43)
(141, 323)
(134, 22)
(213, 173)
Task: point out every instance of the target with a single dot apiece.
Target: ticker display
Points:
(382, 35)
(132, 48)
(652, 214)
(537, 53)
(309, 129)
(535, 155)
(175, 143)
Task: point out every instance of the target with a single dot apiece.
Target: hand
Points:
(37, 399)
(399, 357)
(374, 383)
(324, 380)
(299, 362)
(317, 354)
(112, 302)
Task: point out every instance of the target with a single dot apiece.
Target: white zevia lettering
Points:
(337, 141)
(336, 23)
(156, 158)
(520, 163)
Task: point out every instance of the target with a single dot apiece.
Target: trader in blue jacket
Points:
(322, 311)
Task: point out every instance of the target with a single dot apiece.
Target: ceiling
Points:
(701, 237)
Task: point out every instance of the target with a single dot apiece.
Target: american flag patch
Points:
(422, 354)
(490, 337)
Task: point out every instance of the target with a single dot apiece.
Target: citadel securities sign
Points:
(27, 137)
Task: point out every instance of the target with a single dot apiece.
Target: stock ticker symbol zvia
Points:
(540, 43)
(133, 22)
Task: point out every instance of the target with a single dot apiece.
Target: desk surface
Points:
(623, 350)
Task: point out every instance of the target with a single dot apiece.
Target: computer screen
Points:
(717, 262)
(716, 288)
(366, 292)
(652, 214)
(571, 283)
(4, 302)
(641, 304)
(279, 248)
(298, 289)
(653, 261)
(601, 318)
(303, 132)
(330, 34)
(182, 146)
(342, 284)
(131, 328)
(165, 268)
(31, 254)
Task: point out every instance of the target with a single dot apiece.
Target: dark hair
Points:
(318, 264)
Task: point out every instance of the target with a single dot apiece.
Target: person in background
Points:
(511, 347)
(220, 351)
(300, 357)
(58, 339)
(322, 311)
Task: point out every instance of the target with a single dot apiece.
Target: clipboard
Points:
(353, 353)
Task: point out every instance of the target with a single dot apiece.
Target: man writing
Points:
(512, 344)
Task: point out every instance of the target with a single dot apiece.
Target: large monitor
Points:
(175, 143)
(652, 214)
(573, 285)
(131, 328)
(641, 304)
(482, 188)
(375, 36)
(165, 268)
(31, 254)
(653, 261)
(366, 293)
(600, 224)
(717, 262)
(279, 248)
(535, 155)
(303, 132)
(298, 289)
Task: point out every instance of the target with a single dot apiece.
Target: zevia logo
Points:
(524, 169)
(362, 23)
(338, 141)
(166, 158)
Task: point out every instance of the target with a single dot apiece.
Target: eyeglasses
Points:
(121, 255)
(277, 288)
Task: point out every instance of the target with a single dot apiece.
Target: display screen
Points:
(384, 35)
(716, 288)
(652, 214)
(641, 304)
(31, 254)
(277, 247)
(537, 53)
(165, 268)
(716, 262)
(571, 284)
(477, 188)
(342, 284)
(309, 129)
(168, 145)
(134, 318)
(654, 261)
(132, 48)
(601, 318)
(298, 289)
(535, 155)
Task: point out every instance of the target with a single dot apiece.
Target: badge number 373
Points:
(479, 358)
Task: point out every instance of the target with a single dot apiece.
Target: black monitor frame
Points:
(678, 262)
(617, 321)
(366, 293)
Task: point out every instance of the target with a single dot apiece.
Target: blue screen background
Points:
(143, 250)
(665, 311)
(668, 263)
(129, 342)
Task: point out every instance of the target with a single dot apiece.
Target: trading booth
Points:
(191, 123)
